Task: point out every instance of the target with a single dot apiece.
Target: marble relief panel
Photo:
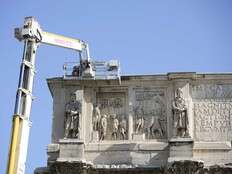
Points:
(211, 91)
(149, 110)
(113, 121)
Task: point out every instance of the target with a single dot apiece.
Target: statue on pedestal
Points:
(180, 117)
(72, 115)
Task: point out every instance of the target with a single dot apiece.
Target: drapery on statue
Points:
(139, 125)
(96, 118)
(122, 128)
(72, 115)
(139, 122)
(103, 127)
(115, 125)
(155, 128)
(180, 117)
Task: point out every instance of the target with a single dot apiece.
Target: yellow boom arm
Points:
(32, 35)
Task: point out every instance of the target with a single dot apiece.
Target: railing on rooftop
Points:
(103, 70)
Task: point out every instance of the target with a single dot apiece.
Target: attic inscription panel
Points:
(212, 107)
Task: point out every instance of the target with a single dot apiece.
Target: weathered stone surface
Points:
(141, 125)
(224, 145)
(213, 120)
(95, 136)
(177, 167)
(180, 148)
(53, 152)
(211, 91)
(150, 106)
(138, 136)
(69, 168)
(71, 149)
(42, 170)
(212, 111)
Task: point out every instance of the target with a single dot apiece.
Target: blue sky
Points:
(148, 37)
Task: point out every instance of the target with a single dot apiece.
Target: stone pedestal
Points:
(180, 149)
(95, 136)
(138, 136)
(53, 152)
(71, 150)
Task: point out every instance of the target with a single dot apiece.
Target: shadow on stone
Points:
(177, 167)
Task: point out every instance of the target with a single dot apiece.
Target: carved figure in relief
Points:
(155, 128)
(122, 128)
(180, 116)
(72, 115)
(103, 127)
(139, 124)
(114, 134)
(96, 118)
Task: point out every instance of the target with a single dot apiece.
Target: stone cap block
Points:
(225, 145)
(179, 140)
(126, 146)
(53, 148)
(71, 141)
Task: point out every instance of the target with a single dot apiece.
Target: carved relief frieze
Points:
(212, 91)
(109, 117)
(149, 111)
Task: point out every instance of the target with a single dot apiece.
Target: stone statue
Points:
(103, 127)
(122, 128)
(96, 118)
(180, 117)
(72, 115)
(114, 134)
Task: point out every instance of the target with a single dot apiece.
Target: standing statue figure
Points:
(114, 134)
(96, 118)
(72, 115)
(103, 127)
(180, 116)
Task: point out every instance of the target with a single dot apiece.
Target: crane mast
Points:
(32, 35)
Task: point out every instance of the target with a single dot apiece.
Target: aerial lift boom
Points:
(32, 35)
